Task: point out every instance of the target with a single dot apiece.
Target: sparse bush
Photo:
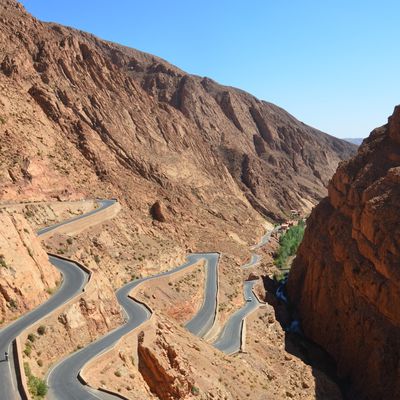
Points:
(28, 214)
(195, 390)
(118, 374)
(37, 387)
(3, 261)
(40, 363)
(13, 304)
(28, 349)
(31, 337)
(97, 258)
(69, 240)
(50, 290)
(41, 330)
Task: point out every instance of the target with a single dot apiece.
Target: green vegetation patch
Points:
(289, 243)
(37, 387)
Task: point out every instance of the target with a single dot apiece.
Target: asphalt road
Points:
(102, 205)
(203, 321)
(63, 378)
(73, 281)
(265, 239)
(255, 259)
(229, 339)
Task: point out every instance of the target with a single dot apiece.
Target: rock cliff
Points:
(26, 277)
(345, 278)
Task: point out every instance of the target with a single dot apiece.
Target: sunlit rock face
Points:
(345, 280)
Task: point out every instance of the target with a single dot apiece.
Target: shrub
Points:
(37, 387)
(31, 337)
(28, 214)
(97, 258)
(117, 374)
(50, 291)
(40, 363)
(195, 390)
(41, 330)
(289, 243)
(28, 350)
(2, 261)
(69, 240)
(13, 304)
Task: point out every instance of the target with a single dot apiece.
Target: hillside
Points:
(81, 113)
(195, 166)
(356, 141)
(345, 279)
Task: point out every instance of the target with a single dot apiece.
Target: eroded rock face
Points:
(166, 372)
(77, 105)
(26, 276)
(345, 279)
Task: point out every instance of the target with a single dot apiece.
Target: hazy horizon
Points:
(327, 64)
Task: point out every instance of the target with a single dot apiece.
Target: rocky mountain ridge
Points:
(117, 109)
(345, 278)
(195, 166)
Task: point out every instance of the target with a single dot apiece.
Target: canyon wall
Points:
(345, 278)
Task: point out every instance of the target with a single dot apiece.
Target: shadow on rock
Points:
(322, 364)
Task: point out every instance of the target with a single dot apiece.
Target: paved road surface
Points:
(265, 239)
(255, 259)
(74, 279)
(229, 340)
(102, 205)
(204, 319)
(63, 378)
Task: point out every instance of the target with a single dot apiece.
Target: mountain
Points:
(117, 114)
(195, 166)
(345, 278)
(356, 141)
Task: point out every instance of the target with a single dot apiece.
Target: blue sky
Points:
(333, 64)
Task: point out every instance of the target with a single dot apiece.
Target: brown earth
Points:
(196, 167)
(26, 277)
(345, 279)
(80, 115)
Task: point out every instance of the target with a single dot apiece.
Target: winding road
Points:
(73, 281)
(230, 339)
(265, 239)
(63, 379)
(255, 259)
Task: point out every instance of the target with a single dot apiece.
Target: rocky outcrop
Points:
(345, 278)
(26, 277)
(157, 211)
(166, 373)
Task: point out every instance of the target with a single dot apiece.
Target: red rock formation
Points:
(130, 116)
(345, 280)
(166, 373)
